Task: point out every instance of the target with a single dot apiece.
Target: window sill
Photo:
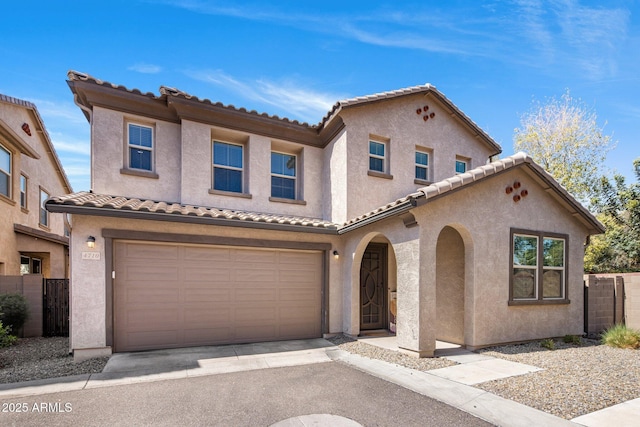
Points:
(24, 210)
(540, 302)
(380, 174)
(290, 201)
(141, 173)
(230, 193)
(7, 200)
(44, 227)
(422, 182)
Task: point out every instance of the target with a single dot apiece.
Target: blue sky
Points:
(295, 59)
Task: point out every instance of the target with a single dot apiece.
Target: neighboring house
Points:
(33, 240)
(216, 225)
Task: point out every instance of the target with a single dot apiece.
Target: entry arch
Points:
(454, 285)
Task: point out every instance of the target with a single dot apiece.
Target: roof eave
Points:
(192, 219)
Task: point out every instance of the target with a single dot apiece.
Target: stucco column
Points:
(412, 313)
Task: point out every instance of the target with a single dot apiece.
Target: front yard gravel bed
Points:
(41, 358)
(576, 380)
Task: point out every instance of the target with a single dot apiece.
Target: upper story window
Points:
(140, 144)
(422, 165)
(5, 172)
(44, 213)
(228, 167)
(23, 191)
(377, 156)
(461, 165)
(538, 267)
(283, 175)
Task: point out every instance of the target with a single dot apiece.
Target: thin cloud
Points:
(56, 111)
(144, 68)
(289, 96)
(65, 144)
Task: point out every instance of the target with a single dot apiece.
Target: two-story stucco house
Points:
(33, 241)
(214, 225)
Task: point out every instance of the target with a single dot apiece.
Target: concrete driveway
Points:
(260, 397)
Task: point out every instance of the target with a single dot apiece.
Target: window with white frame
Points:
(228, 167)
(422, 165)
(23, 191)
(140, 146)
(538, 266)
(283, 175)
(377, 156)
(44, 213)
(5, 172)
(461, 165)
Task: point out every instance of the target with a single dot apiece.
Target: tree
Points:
(618, 208)
(563, 136)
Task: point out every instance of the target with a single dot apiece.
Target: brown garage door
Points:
(172, 295)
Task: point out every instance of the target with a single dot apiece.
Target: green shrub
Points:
(6, 339)
(572, 339)
(548, 344)
(15, 311)
(621, 337)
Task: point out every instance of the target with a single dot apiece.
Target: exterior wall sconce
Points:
(336, 255)
(91, 242)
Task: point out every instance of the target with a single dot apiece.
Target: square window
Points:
(44, 213)
(283, 175)
(228, 166)
(377, 156)
(5, 172)
(140, 142)
(538, 267)
(461, 166)
(422, 165)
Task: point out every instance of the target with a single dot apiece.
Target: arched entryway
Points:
(450, 286)
(373, 287)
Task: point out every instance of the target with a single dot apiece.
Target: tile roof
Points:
(86, 202)
(166, 91)
(442, 188)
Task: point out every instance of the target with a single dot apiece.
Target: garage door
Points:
(172, 295)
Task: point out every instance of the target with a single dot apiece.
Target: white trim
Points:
(384, 157)
(214, 165)
(140, 147)
(8, 173)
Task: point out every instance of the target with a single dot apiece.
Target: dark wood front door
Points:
(373, 287)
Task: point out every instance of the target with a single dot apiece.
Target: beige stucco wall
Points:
(108, 148)
(484, 214)
(197, 170)
(40, 173)
(334, 179)
(396, 121)
(88, 298)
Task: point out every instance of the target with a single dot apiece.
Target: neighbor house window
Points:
(140, 143)
(538, 270)
(422, 165)
(44, 214)
(283, 175)
(461, 165)
(23, 191)
(25, 265)
(5, 172)
(377, 156)
(228, 161)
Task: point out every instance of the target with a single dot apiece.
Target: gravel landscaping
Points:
(576, 380)
(41, 358)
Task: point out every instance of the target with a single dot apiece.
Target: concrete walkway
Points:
(452, 385)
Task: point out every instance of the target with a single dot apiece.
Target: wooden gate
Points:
(56, 307)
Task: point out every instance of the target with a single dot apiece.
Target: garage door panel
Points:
(150, 295)
(207, 295)
(209, 274)
(175, 295)
(208, 254)
(257, 296)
